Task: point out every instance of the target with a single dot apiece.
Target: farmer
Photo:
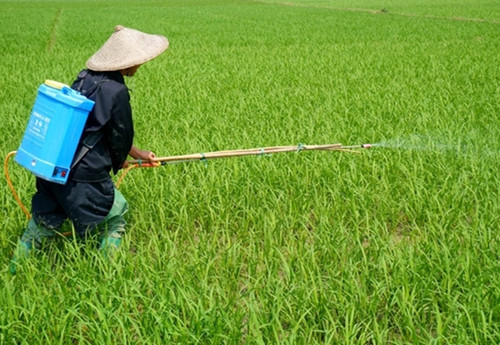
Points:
(89, 198)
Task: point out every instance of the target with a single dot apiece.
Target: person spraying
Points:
(89, 198)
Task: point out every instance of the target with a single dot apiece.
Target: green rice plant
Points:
(397, 245)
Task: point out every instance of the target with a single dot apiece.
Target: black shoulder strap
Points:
(93, 138)
(87, 144)
(81, 79)
(93, 88)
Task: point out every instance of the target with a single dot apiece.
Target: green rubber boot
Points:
(32, 239)
(109, 245)
(113, 227)
(22, 252)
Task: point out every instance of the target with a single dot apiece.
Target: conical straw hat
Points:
(126, 48)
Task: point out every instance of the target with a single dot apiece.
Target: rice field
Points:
(396, 245)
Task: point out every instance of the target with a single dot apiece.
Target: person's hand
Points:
(144, 155)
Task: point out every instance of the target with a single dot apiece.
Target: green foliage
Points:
(399, 245)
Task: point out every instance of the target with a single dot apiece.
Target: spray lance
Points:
(204, 157)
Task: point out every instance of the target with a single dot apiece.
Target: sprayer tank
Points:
(53, 131)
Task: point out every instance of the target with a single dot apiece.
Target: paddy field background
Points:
(397, 245)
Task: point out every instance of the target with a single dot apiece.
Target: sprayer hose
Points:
(11, 186)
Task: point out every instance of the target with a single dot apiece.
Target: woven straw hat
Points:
(126, 48)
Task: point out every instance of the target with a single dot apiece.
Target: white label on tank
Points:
(38, 125)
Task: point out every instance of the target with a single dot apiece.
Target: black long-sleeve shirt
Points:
(112, 115)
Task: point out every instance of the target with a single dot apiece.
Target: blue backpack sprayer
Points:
(53, 131)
